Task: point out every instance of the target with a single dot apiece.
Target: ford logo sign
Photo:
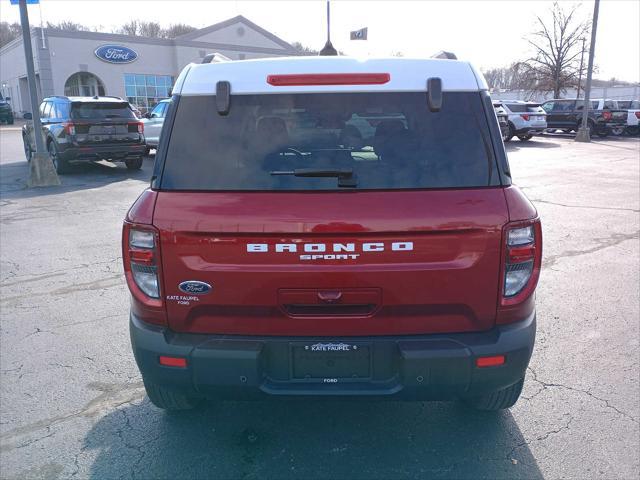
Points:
(195, 287)
(115, 54)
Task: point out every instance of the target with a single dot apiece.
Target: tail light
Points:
(525, 116)
(638, 115)
(69, 128)
(523, 256)
(136, 126)
(606, 115)
(141, 257)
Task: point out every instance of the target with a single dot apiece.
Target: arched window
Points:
(84, 84)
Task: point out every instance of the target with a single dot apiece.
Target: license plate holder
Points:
(322, 361)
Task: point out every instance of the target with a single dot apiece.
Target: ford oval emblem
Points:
(195, 287)
(115, 54)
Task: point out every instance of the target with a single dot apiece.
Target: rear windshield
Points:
(629, 104)
(101, 111)
(329, 141)
(517, 107)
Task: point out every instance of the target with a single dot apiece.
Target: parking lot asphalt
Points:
(72, 403)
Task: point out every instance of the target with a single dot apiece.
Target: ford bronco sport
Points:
(332, 227)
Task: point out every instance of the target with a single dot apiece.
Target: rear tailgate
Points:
(105, 123)
(347, 264)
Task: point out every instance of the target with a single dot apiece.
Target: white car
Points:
(525, 119)
(633, 115)
(153, 122)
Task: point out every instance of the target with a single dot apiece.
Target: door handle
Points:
(333, 296)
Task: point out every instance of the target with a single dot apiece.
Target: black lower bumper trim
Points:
(414, 367)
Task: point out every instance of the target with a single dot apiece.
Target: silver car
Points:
(525, 119)
(153, 122)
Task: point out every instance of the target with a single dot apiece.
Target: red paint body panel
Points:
(448, 282)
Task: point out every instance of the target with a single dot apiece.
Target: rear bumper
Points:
(106, 152)
(410, 367)
(531, 130)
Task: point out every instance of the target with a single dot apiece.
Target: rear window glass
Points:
(306, 141)
(629, 104)
(100, 111)
(517, 107)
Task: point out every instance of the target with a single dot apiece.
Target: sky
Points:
(487, 33)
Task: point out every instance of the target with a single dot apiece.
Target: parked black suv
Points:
(6, 114)
(81, 129)
(566, 115)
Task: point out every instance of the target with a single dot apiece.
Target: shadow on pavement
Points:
(535, 142)
(309, 439)
(14, 177)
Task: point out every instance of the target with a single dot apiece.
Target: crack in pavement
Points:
(546, 385)
(603, 243)
(112, 396)
(586, 206)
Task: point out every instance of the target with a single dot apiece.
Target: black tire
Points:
(633, 131)
(147, 151)
(10, 121)
(134, 163)
(59, 163)
(567, 130)
(617, 131)
(170, 400)
(510, 133)
(498, 400)
(602, 132)
(28, 153)
(526, 137)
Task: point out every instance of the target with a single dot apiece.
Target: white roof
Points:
(250, 76)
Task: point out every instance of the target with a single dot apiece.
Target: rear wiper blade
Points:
(345, 176)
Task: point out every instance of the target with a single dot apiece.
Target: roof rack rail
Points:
(445, 55)
(215, 58)
(110, 96)
(57, 96)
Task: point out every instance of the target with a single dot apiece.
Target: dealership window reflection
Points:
(145, 91)
(83, 84)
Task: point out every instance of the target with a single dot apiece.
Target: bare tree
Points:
(557, 46)
(176, 29)
(9, 32)
(150, 29)
(132, 28)
(70, 26)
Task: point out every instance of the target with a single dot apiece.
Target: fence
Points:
(613, 93)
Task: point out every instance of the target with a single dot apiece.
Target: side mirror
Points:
(28, 116)
(434, 94)
(147, 115)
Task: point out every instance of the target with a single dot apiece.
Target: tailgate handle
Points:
(330, 296)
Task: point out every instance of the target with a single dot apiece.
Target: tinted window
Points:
(610, 104)
(100, 111)
(159, 110)
(517, 107)
(47, 110)
(388, 141)
(563, 105)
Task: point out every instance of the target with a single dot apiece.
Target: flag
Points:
(359, 34)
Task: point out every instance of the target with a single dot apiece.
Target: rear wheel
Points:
(510, 133)
(526, 137)
(133, 163)
(59, 163)
(167, 399)
(602, 132)
(633, 131)
(498, 400)
(567, 130)
(617, 131)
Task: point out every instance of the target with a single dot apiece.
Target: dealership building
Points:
(140, 69)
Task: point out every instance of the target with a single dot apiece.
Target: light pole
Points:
(583, 132)
(580, 71)
(42, 173)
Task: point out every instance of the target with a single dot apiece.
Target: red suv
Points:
(332, 226)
